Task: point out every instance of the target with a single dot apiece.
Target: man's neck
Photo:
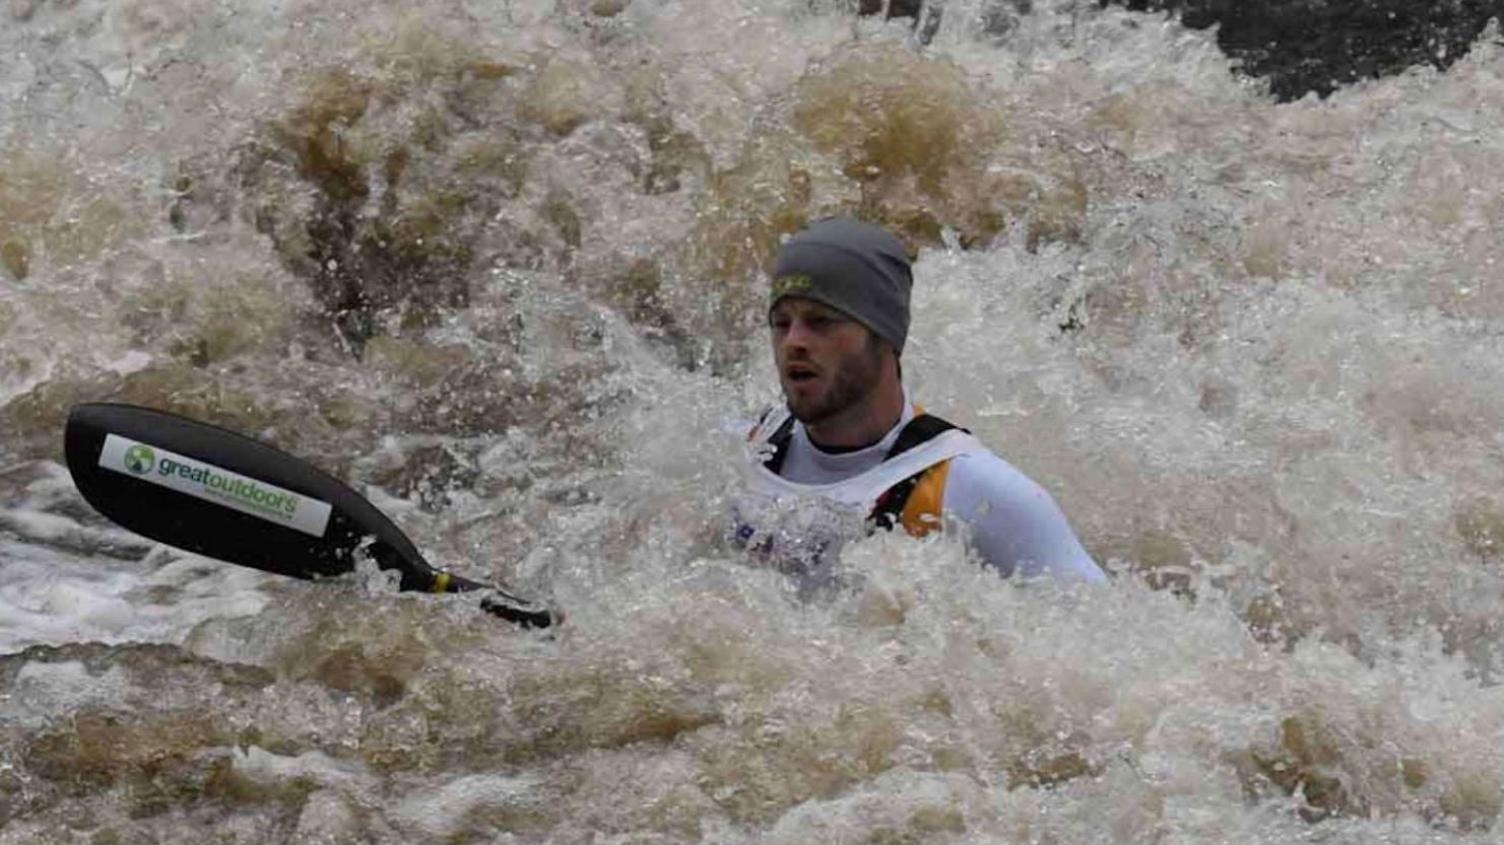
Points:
(862, 424)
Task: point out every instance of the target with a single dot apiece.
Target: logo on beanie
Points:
(791, 283)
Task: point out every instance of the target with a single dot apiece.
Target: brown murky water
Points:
(500, 265)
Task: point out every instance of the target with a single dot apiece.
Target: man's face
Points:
(827, 362)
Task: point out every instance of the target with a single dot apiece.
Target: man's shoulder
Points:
(978, 462)
(766, 421)
(981, 473)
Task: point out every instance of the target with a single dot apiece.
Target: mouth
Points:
(800, 374)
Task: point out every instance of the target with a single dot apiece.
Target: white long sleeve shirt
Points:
(1015, 525)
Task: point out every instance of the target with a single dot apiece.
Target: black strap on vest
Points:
(890, 505)
(780, 443)
(889, 508)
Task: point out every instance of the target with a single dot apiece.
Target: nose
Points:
(795, 337)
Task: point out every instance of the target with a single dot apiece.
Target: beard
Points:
(851, 381)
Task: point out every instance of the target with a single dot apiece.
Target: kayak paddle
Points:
(220, 494)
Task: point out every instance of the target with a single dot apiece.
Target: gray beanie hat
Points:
(857, 268)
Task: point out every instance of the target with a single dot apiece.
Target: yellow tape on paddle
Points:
(441, 582)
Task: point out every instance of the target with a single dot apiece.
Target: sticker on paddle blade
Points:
(213, 484)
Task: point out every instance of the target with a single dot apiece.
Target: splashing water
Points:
(501, 266)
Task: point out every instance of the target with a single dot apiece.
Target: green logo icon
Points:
(791, 283)
(140, 459)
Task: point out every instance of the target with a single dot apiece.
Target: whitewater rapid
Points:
(501, 265)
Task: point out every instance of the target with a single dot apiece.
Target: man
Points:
(849, 435)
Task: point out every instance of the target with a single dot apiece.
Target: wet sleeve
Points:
(1015, 524)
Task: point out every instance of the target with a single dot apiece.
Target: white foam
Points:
(1262, 362)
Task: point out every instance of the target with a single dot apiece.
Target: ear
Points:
(887, 353)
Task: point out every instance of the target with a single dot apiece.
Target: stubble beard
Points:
(853, 380)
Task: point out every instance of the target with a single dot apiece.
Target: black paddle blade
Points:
(222, 495)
